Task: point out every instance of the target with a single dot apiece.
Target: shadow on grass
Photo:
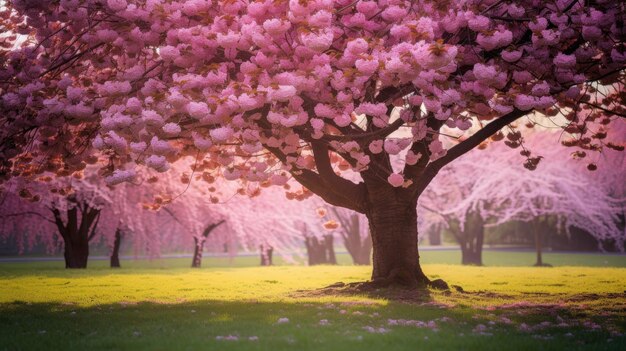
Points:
(351, 325)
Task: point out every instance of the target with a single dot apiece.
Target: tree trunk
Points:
(360, 249)
(115, 254)
(197, 252)
(538, 243)
(330, 249)
(266, 254)
(320, 251)
(76, 233)
(434, 237)
(196, 262)
(472, 244)
(76, 252)
(393, 225)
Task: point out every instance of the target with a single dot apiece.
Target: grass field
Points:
(490, 258)
(153, 305)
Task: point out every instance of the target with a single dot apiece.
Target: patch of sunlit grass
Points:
(271, 284)
(260, 308)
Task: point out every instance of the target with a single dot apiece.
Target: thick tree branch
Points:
(468, 144)
(211, 227)
(59, 222)
(94, 226)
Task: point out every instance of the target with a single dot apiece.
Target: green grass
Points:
(44, 307)
(490, 258)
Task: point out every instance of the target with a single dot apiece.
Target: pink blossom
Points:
(117, 5)
(524, 102)
(357, 46)
(395, 179)
(283, 93)
(511, 56)
(321, 19)
(200, 142)
(120, 176)
(158, 163)
(221, 134)
(197, 110)
(522, 77)
(393, 13)
(116, 142)
(112, 88)
(169, 53)
(323, 110)
(160, 147)
(541, 89)
(317, 123)
(392, 147)
(478, 23)
(80, 111)
(151, 117)
(412, 158)
(138, 147)
(276, 27)
(228, 40)
(372, 109)
(171, 129)
(496, 40)
(342, 120)
(591, 33)
(317, 41)
(366, 67)
(368, 8)
(564, 61)
(376, 146)
(538, 24)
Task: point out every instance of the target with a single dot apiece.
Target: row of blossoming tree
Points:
(325, 92)
(492, 190)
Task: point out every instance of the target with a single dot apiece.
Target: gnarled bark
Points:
(393, 224)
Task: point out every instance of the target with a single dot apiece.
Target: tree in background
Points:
(306, 89)
(355, 234)
(319, 242)
(199, 244)
(493, 189)
(66, 210)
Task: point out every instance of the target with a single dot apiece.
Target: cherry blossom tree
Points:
(325, 92)
(354, 233)
(70, 209)
(489, 187)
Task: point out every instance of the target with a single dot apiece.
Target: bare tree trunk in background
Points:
(115, 254)
(471, 240)
(536, 225)
(266, 254)
(199, 244)
(320, 251)
(330, 249)
(76, 233)
(360, 249)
